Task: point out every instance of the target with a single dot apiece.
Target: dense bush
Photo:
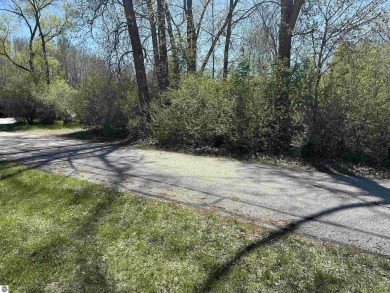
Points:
(237, 114)
(201, 109)
(23, 98)
(353, 115)
(107, 105)
(348, 116)
(233, 114)
(18, 99)
(61, 98)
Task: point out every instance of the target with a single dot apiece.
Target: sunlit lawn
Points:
(59, 234)
(57, 128)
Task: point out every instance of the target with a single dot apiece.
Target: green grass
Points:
(59, 234)
(72, 130)
(57, 128)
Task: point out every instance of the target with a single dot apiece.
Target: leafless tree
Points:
(330, 24)
(40, 23)
(138, 57)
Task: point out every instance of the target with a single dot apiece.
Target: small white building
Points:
(4, 121)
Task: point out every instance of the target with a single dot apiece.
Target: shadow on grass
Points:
(223, 270)
(98, 136)
(91, 275)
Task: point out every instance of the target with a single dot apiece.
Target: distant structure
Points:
(4, 121)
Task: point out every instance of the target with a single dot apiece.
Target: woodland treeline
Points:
(302, 77)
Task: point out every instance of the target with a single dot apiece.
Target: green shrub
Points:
(18, 99)
(62, 98)
(200, 110)
(23, 98)
(218, 113)
(353, 114)
(106, 105)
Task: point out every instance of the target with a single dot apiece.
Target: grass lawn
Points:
(59, 234)
(73, 130)
(57, 128)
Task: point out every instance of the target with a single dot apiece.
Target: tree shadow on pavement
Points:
(369, 186)
(45, 156)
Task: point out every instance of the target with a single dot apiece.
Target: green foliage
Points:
(18, 99)
(107, 105)
(353, 115)
(62, 97)
(237, 114)
(345, 116)
(233, 114)
(23, 98)
(201, 109)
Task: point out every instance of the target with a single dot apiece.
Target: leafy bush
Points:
(353, 115)
(24, 98)
(18, 99)
(201, 109)
(217, 113)
(62, 99)
(237, 114)
(106, 105)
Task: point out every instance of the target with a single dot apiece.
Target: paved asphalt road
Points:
(336, 208)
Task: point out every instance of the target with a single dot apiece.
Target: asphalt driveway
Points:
(331, 207)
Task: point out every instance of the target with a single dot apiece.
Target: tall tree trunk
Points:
(174, 49)
(32, 55)
(31, 51)
(290, 10)
(212, 37)
(227, 41)
(43, 46)
(285, 32)
(163, 52)
(191, 37)
(153, 30)
(46, 59)
(138, 56)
